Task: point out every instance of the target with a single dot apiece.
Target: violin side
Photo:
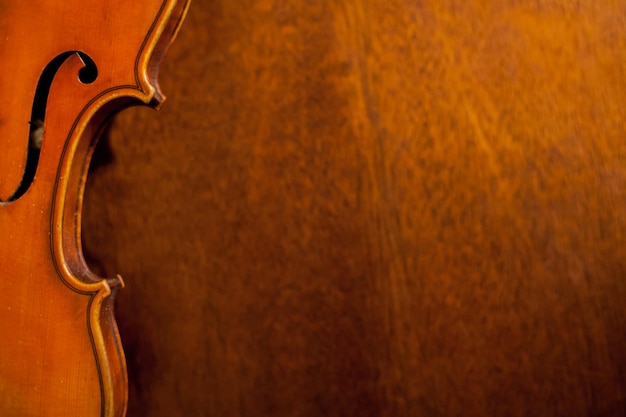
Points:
(64, 71)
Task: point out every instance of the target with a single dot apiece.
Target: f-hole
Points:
(86, 75)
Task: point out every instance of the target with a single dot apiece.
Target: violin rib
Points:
(65, 71)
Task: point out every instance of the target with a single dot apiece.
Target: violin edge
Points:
(67, 200)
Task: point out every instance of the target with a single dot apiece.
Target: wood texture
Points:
(374, 208)
(60, 353)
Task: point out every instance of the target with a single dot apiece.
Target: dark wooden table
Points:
(374, 208)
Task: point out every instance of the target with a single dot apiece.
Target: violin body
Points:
(67, 67)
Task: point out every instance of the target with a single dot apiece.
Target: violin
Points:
(66, 68)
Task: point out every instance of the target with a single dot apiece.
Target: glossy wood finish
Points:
(60, 353)
(375, 208)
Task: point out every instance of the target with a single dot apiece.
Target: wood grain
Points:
(374, 208)
(60, 351)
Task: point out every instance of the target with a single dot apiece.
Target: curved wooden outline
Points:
(65, 237)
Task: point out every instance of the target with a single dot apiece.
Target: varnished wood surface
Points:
(60, 353)
(374, 208)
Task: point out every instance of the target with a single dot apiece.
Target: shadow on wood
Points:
(374, 208)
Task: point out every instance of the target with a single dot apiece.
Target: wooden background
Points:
(374, 208)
